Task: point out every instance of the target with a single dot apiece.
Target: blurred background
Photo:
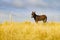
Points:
(20, 10)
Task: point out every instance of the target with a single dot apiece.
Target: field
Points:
(29, 31)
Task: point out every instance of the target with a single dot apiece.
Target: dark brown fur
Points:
(39, 17)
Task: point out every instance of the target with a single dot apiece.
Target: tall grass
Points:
(29, 31)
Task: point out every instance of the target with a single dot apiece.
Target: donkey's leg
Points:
(36, 21)
(45, 20)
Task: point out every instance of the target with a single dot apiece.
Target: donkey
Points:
(39, 17)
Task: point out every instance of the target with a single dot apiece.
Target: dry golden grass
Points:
(29, 31)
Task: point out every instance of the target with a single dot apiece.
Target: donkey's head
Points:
(33, 14)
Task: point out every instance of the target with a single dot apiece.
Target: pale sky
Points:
(20, 10)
